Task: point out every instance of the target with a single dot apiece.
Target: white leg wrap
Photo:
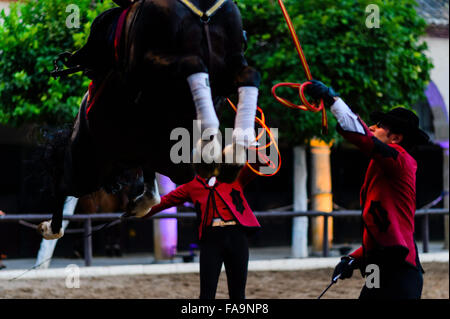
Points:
(201, 92)
(244, 125)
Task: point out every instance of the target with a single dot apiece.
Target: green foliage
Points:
(372, 69)
(31, 36)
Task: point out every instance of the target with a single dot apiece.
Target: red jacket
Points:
(221, 199)
(388, 196)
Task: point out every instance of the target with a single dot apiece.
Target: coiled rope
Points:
(267, 161)
(300, 87)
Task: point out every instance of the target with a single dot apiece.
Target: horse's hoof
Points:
(45, 229)
(235, 158)
(142, 205)
(208, 151)
(234, 154)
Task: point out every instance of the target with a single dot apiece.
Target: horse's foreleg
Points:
(201, 94)
(235, 154)
(208, 148)
(207, 151)
(244, 126)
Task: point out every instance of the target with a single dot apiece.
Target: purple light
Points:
(443, 144)
(168, 236)
(434, 98)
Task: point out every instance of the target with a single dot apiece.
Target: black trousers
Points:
(396, 282)
(224, 245)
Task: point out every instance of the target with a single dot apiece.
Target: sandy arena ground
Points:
(301, 284)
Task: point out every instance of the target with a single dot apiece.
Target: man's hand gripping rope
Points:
(301, 87)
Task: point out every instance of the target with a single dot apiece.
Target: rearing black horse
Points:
(169, 63)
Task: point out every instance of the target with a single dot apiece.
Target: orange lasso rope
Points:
(301, 87)
(262, 121)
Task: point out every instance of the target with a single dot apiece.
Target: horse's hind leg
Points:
(47, 247)
(141, 205)
(53, 229)
(54, 158)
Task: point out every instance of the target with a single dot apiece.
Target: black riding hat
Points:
(402, 121)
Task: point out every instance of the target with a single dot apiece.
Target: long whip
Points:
(301, 87)
(334, 280)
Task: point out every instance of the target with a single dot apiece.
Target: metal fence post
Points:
(425, 233)
(325, 237)
(87, 242)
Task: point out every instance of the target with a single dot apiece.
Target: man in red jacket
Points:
(224, 221)
(388, 196)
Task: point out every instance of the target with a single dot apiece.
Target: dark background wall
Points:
(264, 193)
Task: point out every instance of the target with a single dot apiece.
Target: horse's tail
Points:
(44, 170)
